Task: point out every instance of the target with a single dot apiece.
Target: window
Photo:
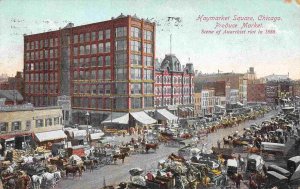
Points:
(46, 43)
(136, 73)
(28, 125)
(100, 103)
(121, 45)
(93, 36)
(100, 48)
(94, 49)
(100, 35)
(121, 74)
(148, 88)
(27, 46)
(87, 49)
(75, 63)
(147, 48)
(100, 89)
(107, 47)
(107, 75)
(107, 89)
(107, 34)
(36, 44)
(81, 62)
(147, 35)
(121, 59)
(148, 102)
(135, 46)
(135, 59)
(56, 42)
(81, 50)
(81, 38)
(56, 119)
(100, 61)
(75, 52)
(94, 61)
(121, 88)
(121, 31)
(51, 43)
(16, 126)
(148, 74)
(136, 103)
(93, 74)
(121, 103)
(100, 74)
(107, 60)
(94, 89)
(136, 88)
(135, 32)
(75, 38)
(148, 61)
(87, 37)
(3, 127)
(76, 89)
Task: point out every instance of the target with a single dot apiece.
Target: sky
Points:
(277, 53)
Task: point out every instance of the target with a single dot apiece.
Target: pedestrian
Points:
(238, 179)
(219, 144)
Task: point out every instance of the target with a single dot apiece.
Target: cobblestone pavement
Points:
(114, 174)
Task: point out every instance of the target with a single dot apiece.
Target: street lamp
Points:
(111, 108)
(87, 115)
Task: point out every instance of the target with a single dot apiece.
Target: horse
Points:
(73, 169)
(36, 181)
(51, 179)
(174, 157)
(151, 146)
(119, 156)
(90, 163)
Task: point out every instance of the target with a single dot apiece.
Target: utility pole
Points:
(171, 44)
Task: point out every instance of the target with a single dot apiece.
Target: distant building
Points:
(197, 106)
(275, 78)
(174, 86)
(296, 88)
(234, 80)
(256, 92)
(12, 97)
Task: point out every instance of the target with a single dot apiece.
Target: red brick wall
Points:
(256, 93)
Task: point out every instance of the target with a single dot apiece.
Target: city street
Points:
(114, 174)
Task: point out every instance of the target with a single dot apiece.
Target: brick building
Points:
(174, 86)
(234, 80)
(256, 92)
(104, 67)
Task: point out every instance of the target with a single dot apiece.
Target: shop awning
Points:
(50, 135)
(190, 109)
(240, 104)
(117, 117)
(143, 118)
(219, 106)
(163, 114)
(96, 136)
(79, 134)
(182, 109)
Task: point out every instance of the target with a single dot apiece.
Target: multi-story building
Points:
(104, 67)
(296, 88)
(256, 92)
(208, 101)
(174, 86)
(197, 106)
(24, 123)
